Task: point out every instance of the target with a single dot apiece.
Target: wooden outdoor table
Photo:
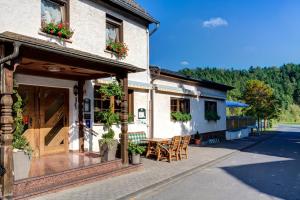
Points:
(153, 147)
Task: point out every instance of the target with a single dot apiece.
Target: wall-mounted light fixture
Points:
(75, 92)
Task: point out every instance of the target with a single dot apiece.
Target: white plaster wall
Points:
(176, 83)
(166, 128)
(87, 19)
(57, 83)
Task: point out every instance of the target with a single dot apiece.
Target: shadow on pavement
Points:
(279, 177)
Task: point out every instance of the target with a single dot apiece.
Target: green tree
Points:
(261, 100)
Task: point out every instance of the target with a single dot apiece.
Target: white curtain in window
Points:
(51, 12)
(112, 33)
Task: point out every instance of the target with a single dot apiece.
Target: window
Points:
(101, 104)
(180, 105)
(113, 29)
(211, 106)
(55, 11)
(211, 112)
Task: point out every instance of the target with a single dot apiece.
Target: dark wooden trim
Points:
(41, 55)
(80, 116)
(66, 5)
(123, 79)
(117, 23)
(6, 128)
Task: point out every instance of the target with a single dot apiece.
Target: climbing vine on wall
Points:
(19, 141)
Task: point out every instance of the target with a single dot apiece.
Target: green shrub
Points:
(19, 141)
(111, 89)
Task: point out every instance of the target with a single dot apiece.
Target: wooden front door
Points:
(46, 118)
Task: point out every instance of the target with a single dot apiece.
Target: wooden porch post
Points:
(6, 123)
(80, 115)
(124, 119)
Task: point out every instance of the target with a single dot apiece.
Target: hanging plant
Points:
(119, 49)
(19, 141)
(108, 118)
(111, 89)
(60, 30)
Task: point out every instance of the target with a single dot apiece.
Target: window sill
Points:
(108, 51)
(54, 37)
(101, 124)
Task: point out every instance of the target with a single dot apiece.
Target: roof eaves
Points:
(201, 81)
(138, 11)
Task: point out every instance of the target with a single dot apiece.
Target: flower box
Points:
(60, 30)
(119, 49)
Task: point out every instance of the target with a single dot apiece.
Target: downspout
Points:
(154, 76)
(12, 56)
(151, 119)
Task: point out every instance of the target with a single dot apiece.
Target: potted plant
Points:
(57, 29)
(108, 146)
(21, 148)
(119, 49)
(197, 138)
(135, 151)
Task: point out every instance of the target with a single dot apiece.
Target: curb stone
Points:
(177, 177)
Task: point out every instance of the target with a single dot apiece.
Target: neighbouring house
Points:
(59, 53)
(175, 93)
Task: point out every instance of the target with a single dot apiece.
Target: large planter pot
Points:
(108, 153)
(136, 159)
(22, 163)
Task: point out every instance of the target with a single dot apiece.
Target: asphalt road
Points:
(269, 170)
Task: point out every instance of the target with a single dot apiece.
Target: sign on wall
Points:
(141, 113)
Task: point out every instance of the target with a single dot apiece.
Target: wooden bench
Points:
(137, 137)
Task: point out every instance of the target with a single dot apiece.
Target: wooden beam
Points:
(123, 79)
(80, 115)
(6, 123)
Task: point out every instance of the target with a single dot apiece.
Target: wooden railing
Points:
(237, 122)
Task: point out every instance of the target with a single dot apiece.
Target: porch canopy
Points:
(27, 55)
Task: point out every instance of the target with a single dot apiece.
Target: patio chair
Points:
(171, 150)
(183, 151)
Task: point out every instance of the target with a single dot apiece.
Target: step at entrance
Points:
(28, 188)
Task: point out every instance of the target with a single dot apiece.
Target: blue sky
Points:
(224, 33)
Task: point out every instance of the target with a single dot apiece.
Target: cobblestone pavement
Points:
(153, 173)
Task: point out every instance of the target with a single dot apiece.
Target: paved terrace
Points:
(155, 172)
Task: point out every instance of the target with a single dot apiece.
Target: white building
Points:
(58, 71)
(90, 21)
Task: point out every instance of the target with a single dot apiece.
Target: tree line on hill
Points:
(284, 81)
